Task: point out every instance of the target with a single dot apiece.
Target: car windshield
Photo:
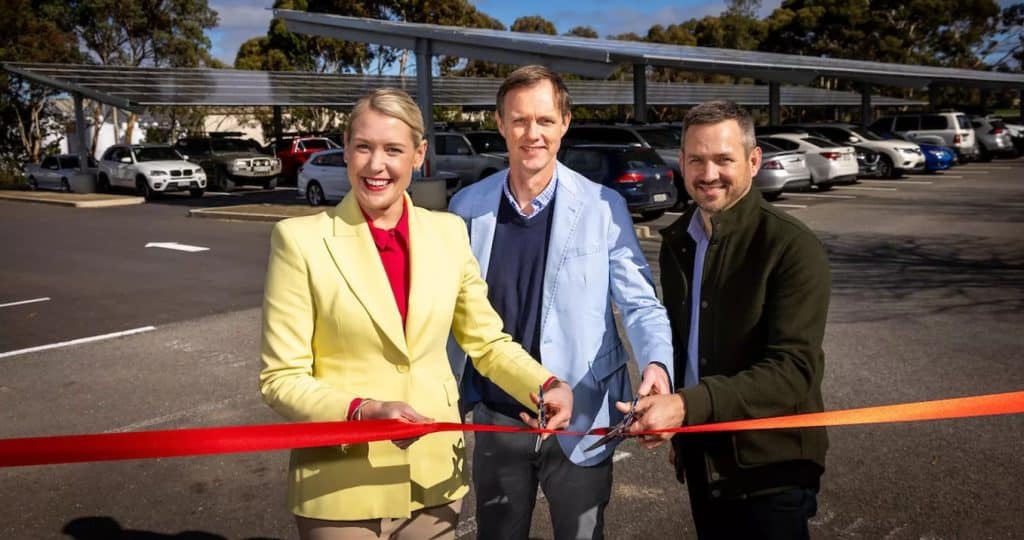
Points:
(156, 153)
(487, 142)
(662, 137)
(639, 158)
(317, 144)
(867, 134)
(230, 145)
(820, 143)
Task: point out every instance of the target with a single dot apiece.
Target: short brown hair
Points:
(394, 103)
(527, 76)
(713, 112)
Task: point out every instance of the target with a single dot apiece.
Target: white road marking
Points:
(673, 213)
(988, 168)
(200, 411)
(783, 205)
(619, 456)
(21, 302)
(894, 182)
(820, 195)
(866, 188)
(940, 175)
(177, 247)
(78, 341)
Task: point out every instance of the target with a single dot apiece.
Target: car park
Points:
(993, 138)
(454, 153)
(230, 160)
(954, 128)
(781, 170)
(830, 164)
(895, 157)
(57, 172)
(637, 173)
(294, 151)
(150, 170)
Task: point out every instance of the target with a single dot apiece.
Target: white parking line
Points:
(78, 341)
(895, 182)
(783, 205)
(988, 168)
(820, 195)
(866, 188)
(948, 176)
(177, 247)
(673, 213)
(21, 302)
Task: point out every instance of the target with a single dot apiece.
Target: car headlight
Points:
(158, 173)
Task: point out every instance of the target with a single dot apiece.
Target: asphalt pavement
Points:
(928, 303)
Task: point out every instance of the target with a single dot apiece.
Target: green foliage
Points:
(32, 31)
(534, 24)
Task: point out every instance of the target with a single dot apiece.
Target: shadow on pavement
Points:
(107, 528)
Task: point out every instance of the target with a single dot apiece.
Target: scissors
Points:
(542, 418)
(618, 430)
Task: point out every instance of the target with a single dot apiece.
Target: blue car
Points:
(937, 158)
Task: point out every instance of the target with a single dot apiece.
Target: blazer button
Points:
(715, 476)
(703, 361)
(703, 304)
(402, 368)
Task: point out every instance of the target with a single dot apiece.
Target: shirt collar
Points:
(540, 202)
(696, 228)
(386, 238)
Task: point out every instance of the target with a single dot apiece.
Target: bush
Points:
(11, 177)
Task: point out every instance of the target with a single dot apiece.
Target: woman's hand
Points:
(393, 410)
(557, 407)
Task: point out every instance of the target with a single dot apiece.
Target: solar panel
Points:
(138, 88)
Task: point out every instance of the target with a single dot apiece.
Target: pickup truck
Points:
(230, 160)
(454, 153)
(150, 170)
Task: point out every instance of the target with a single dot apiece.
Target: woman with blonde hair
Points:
(358, 307)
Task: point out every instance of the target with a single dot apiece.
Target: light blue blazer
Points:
(593, 262)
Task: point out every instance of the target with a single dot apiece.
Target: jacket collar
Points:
(724, 223)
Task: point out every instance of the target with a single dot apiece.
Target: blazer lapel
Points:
(568, 208)
(356, 257)
(424, 251)
(483, 222)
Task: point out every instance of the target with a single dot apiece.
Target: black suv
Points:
(230, 160)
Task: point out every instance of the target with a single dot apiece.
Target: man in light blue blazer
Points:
(557, 251)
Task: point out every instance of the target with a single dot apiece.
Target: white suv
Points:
(150, 169)
(896, 155)
(953, 127)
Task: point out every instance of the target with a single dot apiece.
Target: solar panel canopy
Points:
(139, 88)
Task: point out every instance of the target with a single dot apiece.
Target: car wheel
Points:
(823, 187)
(886, 169)
(195, 193)
(984, 155)
(270, 184)
(315, 194)
(33, 184)
(143, 189)
(224, 183)
(771, 195)
(651, 215)
(65, 186)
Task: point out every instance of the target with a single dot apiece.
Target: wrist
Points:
(552, 383)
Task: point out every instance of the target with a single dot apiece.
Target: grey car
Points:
(781, 170)
(993, 137)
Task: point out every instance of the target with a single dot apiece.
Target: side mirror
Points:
(185, 157)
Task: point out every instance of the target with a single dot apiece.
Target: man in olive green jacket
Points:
(747, 288)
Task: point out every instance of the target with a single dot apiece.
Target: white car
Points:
(896, 155)
(323, 177)
(57, 172)
(150, 170)
(829, 163)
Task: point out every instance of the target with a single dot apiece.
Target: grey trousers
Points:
(507, 471)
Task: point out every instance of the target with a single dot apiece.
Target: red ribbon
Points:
(225, 440)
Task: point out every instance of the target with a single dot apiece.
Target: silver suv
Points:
(454, 153)
(954, 128)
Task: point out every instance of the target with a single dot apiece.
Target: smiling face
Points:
(381, 156)
(533, 126)
(717, 169)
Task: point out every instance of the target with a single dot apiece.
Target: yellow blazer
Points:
(332, 332)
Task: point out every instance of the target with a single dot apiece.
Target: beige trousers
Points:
(435, 523)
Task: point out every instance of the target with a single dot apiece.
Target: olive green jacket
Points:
(765, 289)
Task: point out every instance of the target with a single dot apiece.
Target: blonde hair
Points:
(394, 103)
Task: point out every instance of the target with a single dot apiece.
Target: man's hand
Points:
(654, 381)
(398, 410)
(557, 407)
(663, 411)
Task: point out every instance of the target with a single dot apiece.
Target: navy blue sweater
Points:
(515, 285)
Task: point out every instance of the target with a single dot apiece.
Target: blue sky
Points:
(244, 19)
